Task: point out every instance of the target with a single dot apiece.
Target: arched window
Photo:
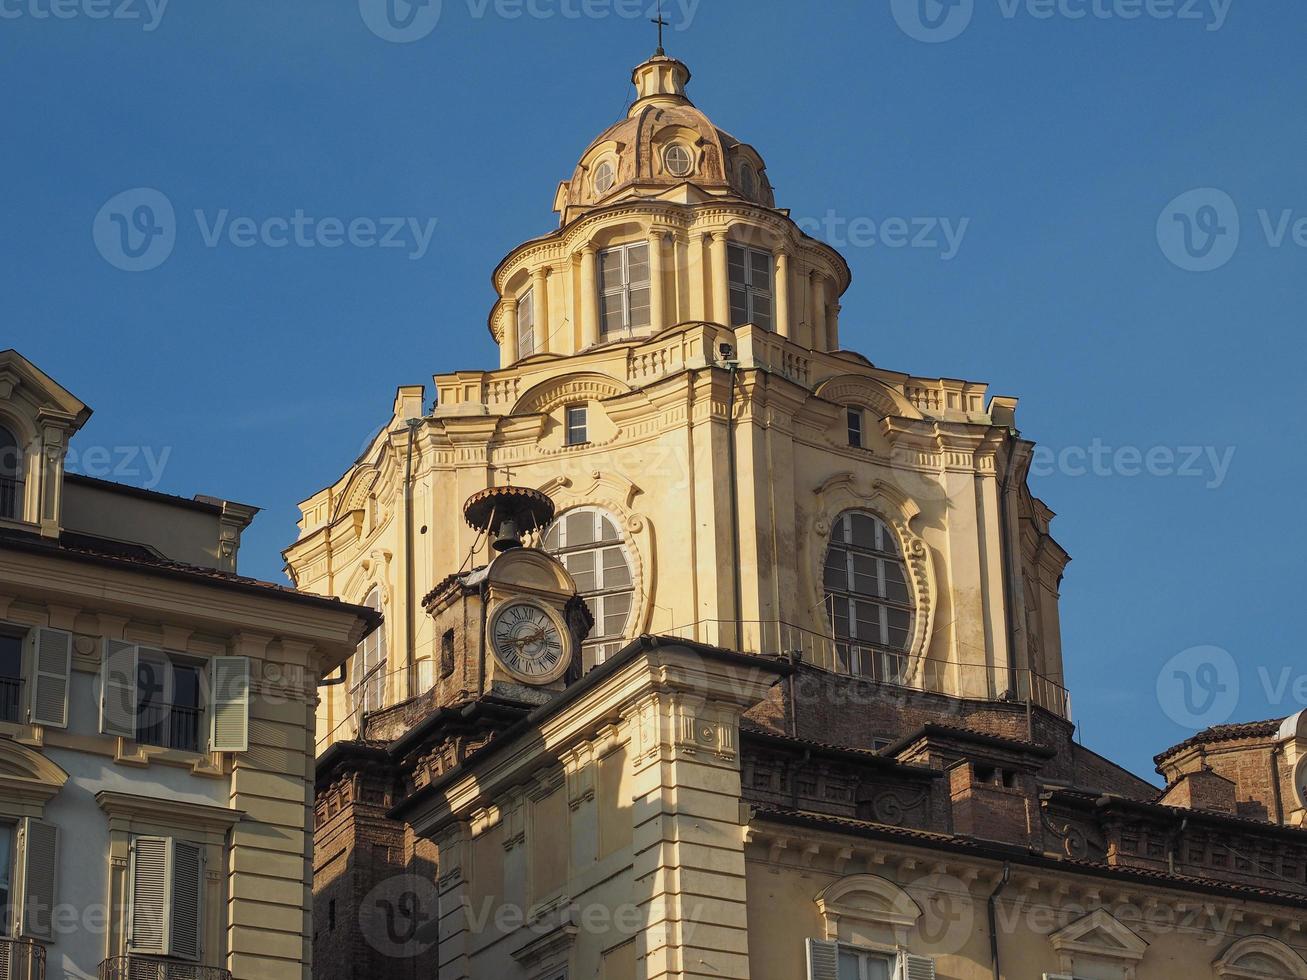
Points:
(589, 544)
(11, 476)
(867, 597)
(605, 176)
(367, 684)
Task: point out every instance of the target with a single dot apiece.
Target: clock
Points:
(1300, 783)
(528, 639)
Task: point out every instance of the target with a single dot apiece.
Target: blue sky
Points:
(1055, 144)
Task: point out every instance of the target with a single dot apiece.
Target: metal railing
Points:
(883, 666)
(11, 707)
(21, 959)
(154, 968)
(11, 497)
(170, 726)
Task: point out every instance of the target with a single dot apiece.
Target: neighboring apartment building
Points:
(818, 725)
(156, 723)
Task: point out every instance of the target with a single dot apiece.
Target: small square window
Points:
(855, 427)
(576, 426)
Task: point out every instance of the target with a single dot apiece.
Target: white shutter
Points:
(52, 664)
(187, 877)
(229, 682)
(118, 690)
(917, 967)
(147, 918)
(39, 843)
(823, 960)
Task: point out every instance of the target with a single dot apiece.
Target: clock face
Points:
(1301, 782)
(527, 641)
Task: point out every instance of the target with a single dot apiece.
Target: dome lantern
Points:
(660, 81)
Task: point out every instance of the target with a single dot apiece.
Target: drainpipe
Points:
(1276, 752)
(1009, 618)
(728, 353)
(410, 620)
(993, 919)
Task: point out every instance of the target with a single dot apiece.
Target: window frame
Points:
(571, 430)
(611, 167)
(874, 657)
(600, 644)
(23, 637)
(689, 159)
(9, 876)
(855, 419)
(171, 662)
(752, 292)
(17, 511)
(865, 956)
(624, 290)
(525, 323)
(361, 683)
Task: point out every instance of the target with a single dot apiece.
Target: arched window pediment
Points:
(28, 780)
(868, 910)
(1261, 958)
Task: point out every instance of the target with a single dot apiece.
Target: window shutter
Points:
(147, 921)
(917, 967)
(229, 680)
(823, 960)
(187, 875)
(52, 661)
(40, 848)
(118, 690)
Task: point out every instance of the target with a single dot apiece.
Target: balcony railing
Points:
(21, 960)
(11, 707)
(11, 497)
(170, 726)
(893, 668)
(153, 968)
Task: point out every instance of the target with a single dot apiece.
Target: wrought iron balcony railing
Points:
(21, 959)
(11, 498)
(170, 726)
(889, 667)
(154, 968)
(11, 707)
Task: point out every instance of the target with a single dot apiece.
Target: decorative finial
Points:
(661, 24)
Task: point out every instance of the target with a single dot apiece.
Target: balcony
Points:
(887, 667)
(154, 968)
(170, 726)
(21, 960)
(11, 709)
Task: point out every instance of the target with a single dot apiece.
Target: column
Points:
(589, 298)
(540, 304)
(698, 251)
(819, 312)
(783, 292)
(833, 326)
(721, 286)
(508, 345)
(656, 314)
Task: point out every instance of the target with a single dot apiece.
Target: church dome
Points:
(665, 143)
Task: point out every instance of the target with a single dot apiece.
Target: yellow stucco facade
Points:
(819, 727)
